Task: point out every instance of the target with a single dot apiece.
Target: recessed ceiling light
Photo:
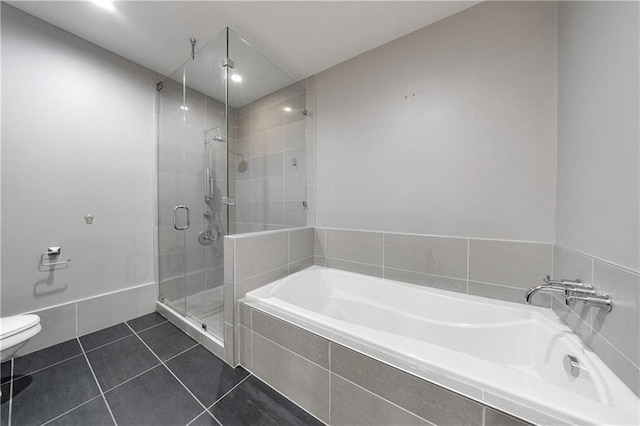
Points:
(288, 109)
(236, 77)
(105, 4)
(184, 107)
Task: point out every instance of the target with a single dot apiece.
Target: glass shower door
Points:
(192, 183)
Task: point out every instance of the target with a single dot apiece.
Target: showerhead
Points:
(242, 165)
(213, 134)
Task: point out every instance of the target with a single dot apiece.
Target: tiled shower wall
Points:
(181, 181)
(612, 335)
(271, 162)
(490, 268)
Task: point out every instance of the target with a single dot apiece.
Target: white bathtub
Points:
(505, 355)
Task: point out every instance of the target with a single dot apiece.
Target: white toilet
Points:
(15, 332)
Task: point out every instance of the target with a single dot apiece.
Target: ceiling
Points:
(301, 37)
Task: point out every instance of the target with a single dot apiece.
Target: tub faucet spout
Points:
(537, 288)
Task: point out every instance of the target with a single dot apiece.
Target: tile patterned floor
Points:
(142, 372)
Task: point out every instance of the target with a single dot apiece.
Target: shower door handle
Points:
(175, 218)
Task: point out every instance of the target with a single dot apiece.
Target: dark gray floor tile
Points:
(120, 361)
(102, 337)
(255, 403)
(205, 419)
(5, 371)
(146, 321)
(41, 396)
(4, 404)
(46, 357)
(206, 376)
(166, 340)
(94, 413)
(154, 398)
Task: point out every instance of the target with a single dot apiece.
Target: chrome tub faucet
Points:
(573, 290)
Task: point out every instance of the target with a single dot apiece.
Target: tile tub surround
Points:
(341, 386)
(63, 322)
(255, 259)
(614, 336)
(496, 269)
(113, 376)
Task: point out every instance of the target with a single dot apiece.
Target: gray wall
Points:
(77, 138)
(598, 131)
(450, 130)
(598, 218)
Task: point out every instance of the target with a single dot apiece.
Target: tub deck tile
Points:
(431, 402)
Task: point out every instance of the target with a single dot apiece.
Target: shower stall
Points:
(231, 151)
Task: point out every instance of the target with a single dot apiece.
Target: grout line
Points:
(614, 347)
(296, 354)
(598, 259)
(215, 418)
(131, 378)
(289, 253)
(11, 391)
(459, 237)
(186, 350)
(261, 274)
(68, 411)
(97, 383)
(168, 369)
(324, 256)
(353, 261)
(552, 270)
(51, 365)
(385, 399)
(297, 404)
(149, 328)
(107, 344)
(423, 273)
(593, 281)
(230, 390)
(198, 416)
(468, 261)
(330, 370)
(251, 341)
(383, 264)
(484, 415)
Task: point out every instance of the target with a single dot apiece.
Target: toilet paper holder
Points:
(53, 252)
